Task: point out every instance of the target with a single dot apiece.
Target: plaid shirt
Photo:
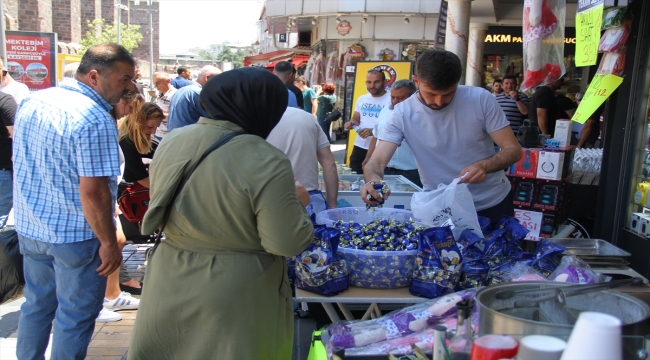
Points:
(61, 134)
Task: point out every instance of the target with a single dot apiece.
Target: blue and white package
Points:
(438, 263)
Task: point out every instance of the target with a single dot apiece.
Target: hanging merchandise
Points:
(310, 67)
(316, 77)
(332, 68)
(543, 31)
(409, 53)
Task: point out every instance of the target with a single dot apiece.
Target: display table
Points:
(357, 295)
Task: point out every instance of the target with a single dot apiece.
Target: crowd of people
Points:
(230, 163)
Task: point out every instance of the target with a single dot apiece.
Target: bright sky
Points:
(185, 24)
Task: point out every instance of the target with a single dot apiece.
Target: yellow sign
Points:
(601, 87)
(393, 71)
(588, 24)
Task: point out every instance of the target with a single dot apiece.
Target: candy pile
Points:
(381, 189)
(379, 235)
(381, 254)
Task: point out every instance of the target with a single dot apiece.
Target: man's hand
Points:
(476, 174)
(303, 194)
(364, 133)
(368, 188)
(111, 259)
(348, 125)
(513, 94)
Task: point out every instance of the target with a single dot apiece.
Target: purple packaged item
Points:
(485, 224)
(574, 270)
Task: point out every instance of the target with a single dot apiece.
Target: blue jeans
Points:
(325, 126)
(60, 282)
(6, 191)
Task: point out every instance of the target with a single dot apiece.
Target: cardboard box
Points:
(526, 166)
(635, 222)
(563, 132)
(523, 192)
(549, 196)
(550, 165)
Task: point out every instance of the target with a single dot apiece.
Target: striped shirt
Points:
(509, 107)
(60, 135)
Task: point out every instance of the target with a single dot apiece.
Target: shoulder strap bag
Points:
(181, 184)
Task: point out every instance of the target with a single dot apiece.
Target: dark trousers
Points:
(356, 159)
(325, 125)
(412, 175)
(496, 212)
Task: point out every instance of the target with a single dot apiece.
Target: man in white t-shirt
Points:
(451, 130)
(366, 115)
(12, 87)
(300, 137)
(166, 91)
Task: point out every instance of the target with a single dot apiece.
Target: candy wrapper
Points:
(381, 189)
(574, 270)
(514, 234)
(437, 264)
(319, 268)
(485, 224)
(471, 246)
(395, 325)
(473, 275)
(546, 256)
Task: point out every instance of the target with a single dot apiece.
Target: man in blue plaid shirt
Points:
(65, 170)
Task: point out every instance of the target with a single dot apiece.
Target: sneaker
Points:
(123, 302)
(108, 316)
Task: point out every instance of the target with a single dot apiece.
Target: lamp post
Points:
(120, 7)
(151, 66)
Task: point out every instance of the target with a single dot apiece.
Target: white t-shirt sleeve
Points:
(392, 128)
(495, 118)
(322, 138)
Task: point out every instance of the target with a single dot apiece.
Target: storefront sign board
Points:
(531, 220)
(601, 87)
(393, 71)
(588, 23)
(442, 26)
(31, 58)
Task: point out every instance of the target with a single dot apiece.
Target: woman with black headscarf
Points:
(217, 286)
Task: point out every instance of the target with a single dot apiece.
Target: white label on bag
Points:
(531, 220)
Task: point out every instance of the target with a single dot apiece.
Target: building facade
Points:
(69, 18)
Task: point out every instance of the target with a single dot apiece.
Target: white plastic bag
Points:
(448, 205)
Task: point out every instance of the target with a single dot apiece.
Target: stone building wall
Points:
(35, 15)
(66, 20)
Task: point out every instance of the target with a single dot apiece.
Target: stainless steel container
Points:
(499, 316)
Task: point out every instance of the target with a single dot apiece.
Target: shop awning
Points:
(254, 59)
(296, 60)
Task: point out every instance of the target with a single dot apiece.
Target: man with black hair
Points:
(544, 107)
(366, 116)
(285, 71)
(513, 103)
(497, 87)
(65, 169)
(184, 77)
(451, 130)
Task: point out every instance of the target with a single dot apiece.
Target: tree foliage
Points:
(130, 35)
(235, 57)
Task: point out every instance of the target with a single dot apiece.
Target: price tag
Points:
(531, 220)
(588, 23)
(601, 87)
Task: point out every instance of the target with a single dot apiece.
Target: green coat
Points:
(217, 287)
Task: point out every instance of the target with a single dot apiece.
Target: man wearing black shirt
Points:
(285, 71)
(544, 109)
(8, 109)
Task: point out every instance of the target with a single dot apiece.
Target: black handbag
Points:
(333, 116)
(180, 185)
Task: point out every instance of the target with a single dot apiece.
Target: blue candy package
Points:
(473, 274)
(319, 268)
(546, 256)
(438, 263)
(485, 224)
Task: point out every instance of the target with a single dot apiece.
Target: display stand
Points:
(356, 295)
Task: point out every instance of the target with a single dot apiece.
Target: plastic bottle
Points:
(460, 346)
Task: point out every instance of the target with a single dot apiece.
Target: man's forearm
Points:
(97, 207)
(522, 107)
(584, 135)
(371, 147)
(501, 160)
(331, 179)
(542, 122)
(373, 171)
